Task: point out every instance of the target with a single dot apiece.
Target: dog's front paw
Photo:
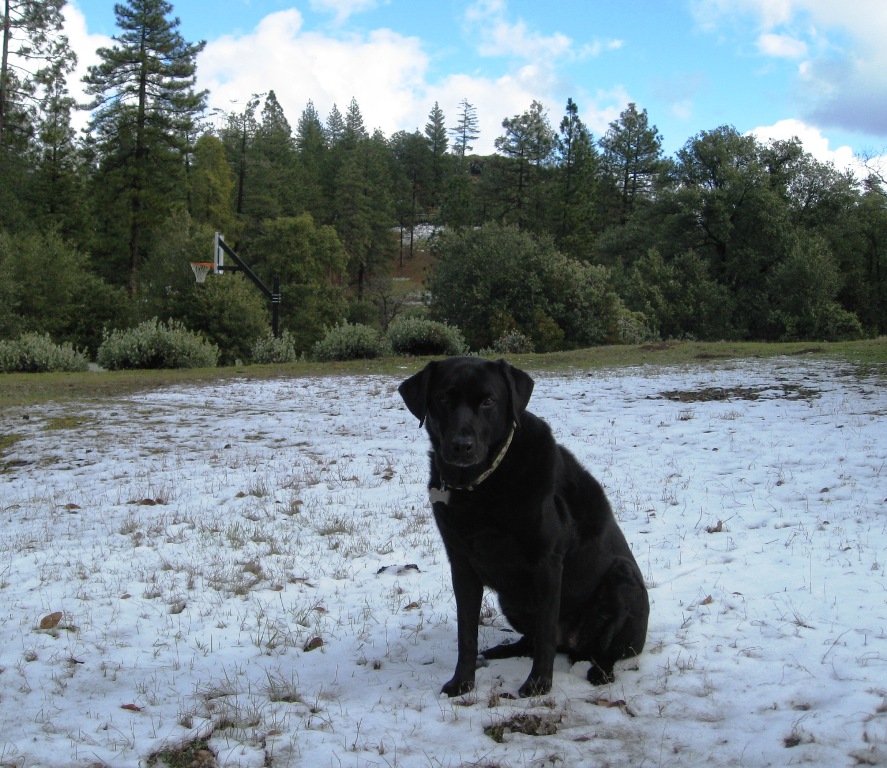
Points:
(535, 686)
(599, 676)
(457, 687)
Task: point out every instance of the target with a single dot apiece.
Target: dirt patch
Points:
(531, 725)
(715, 394)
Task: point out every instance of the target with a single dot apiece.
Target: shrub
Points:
(513, 343)
(350, 342)
(156, 345)
(33, 353)
(269, 349)
(420, 336)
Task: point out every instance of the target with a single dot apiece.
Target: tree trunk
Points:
(4, 69)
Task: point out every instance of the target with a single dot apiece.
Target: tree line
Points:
(561, 237)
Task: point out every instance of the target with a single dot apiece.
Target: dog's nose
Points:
(462, 447)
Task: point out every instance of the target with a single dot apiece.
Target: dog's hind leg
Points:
(616, 625)
(508, 650)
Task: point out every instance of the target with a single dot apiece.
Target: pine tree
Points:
(144, 90)
(436, 136)
(33, 55)
(312, 152)
(355, 130)
(212, 186)
(632, 156)
(364, 213)
(335, 127)
(579, 194)
(466, 131)
(275, 156)
(238, 136)
(529, 142)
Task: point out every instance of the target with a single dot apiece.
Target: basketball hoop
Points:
(201, 269)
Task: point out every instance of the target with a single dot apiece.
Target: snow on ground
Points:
(252, 566)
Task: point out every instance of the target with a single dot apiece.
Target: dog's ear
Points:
(520, 387)
(414, 392)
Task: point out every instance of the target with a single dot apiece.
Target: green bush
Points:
(269, 349)
(419, 336)
(35, 353)
(156, 345)
(513, 343)
(493, 280)
(350, 342)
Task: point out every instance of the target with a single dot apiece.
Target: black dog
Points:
(519, 514)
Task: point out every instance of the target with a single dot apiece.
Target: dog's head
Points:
(469, 407)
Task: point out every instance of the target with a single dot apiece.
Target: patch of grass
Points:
(9, 440)
(194, 754)
(29, 389)
(529, 724)
(66, 422)
(6, 442)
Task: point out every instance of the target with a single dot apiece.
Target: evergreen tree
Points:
(144, 88)
(364, 213)
(632, 156)
(275, 187)
(580, 191)
(528, 142)
(312, 151)
(33, 55)
(436, 136)
(466, 131)
(335, 127)
(238, 137)
(212, 186)
(355, 130)
(55, 194)
(413, 171)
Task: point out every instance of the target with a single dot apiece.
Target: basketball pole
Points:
(272, 294)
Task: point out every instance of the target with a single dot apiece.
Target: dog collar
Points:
(442, 494)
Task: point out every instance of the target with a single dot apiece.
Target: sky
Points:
(816, 69)
(255, 561)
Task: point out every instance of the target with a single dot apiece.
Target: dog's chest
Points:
(498, 553)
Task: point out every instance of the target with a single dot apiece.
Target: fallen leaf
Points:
(48, 622)
(131, 707)
(313, 644)
(609, 704)
(707, 601)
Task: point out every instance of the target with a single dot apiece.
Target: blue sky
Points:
(812, 68)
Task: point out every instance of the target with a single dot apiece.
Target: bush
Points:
(156, 345)
(350, 342)
(512, 343)
(419, 336)
(269, 349)
(33, 353)
(493, 280)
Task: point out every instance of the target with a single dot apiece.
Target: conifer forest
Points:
(560, 238)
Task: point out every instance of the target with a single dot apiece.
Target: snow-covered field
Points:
(252, 567)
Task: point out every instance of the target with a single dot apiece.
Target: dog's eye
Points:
(487, 401)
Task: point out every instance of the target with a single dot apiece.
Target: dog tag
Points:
(436, 494)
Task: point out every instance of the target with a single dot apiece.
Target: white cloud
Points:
(488, 22)
(386, 72)
(497, 36)
(86, 45)
(814, 142)
(781, 46)
(383, 70)
(843, 81)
